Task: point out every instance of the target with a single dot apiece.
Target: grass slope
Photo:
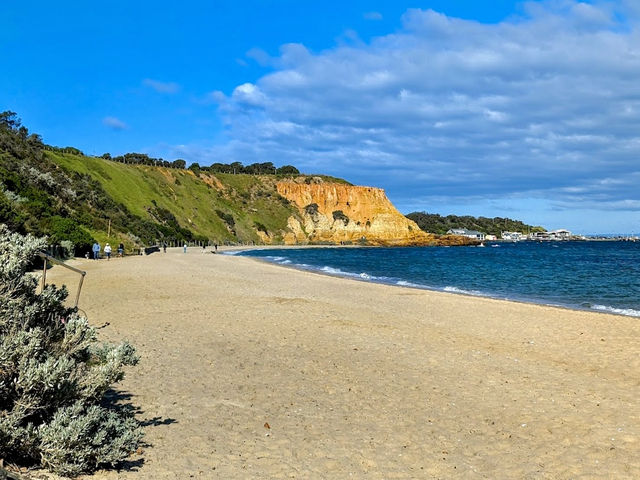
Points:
(196, 202)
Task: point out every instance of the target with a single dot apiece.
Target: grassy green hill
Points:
(221, 207)
(72, 197)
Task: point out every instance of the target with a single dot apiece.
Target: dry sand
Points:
(251, 370)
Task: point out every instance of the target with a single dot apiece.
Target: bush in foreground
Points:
(54, 375)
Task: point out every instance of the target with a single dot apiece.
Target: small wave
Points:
(462, 291)
(337, 271)
(629, 312)
(403, 283)
(342, 273)
(495, 245)
(275, 259)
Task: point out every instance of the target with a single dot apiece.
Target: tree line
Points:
(134, 158)
(434, 223)
(264, 168)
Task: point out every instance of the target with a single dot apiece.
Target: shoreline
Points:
(606, 310)
(250, 370)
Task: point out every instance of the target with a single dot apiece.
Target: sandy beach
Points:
(251, 370)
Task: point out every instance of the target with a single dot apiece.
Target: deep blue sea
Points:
(601, 276)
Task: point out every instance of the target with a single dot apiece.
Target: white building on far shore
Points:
(467, 233)
(512, 236)
(560, 234)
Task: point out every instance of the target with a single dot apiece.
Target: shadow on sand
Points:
(121, 401)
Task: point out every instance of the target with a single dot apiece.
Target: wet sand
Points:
(251, 370)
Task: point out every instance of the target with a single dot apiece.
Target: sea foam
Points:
(463, 291)
(342, 273)
(629, 312)
(404, 283)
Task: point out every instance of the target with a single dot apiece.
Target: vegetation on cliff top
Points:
(434, 223)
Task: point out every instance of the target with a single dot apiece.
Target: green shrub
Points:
(339, 215)
(68, 248)
(54, 375)
(261, 228)
(66, 229)
(287, 170)
(8, 215)
(227, 218)
(311, 209)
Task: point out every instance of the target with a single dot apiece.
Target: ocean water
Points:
(600, 276)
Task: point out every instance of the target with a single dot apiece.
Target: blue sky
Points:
(529, 110)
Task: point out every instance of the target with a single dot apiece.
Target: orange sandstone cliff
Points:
(337, 213)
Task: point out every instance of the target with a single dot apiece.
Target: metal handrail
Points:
(51, 259)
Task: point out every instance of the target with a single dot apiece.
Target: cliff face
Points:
(335, 213)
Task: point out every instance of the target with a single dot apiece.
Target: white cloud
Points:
(248, 94)
(214, 97)
(161, 87)
(451, 108)
(114, 123)
(260, 56)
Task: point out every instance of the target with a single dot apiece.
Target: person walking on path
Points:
(107, 251)
(185, 247)
(121, 250)
(164, 247)
(96, 251)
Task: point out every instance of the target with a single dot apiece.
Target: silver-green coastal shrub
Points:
(68, 248)
(54, 374)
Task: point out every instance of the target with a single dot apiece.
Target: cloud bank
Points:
(544, 106)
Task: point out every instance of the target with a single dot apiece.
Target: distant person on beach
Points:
(164, 247)
(107, 251)
(216, 246)
(121, 250)
(96, 251)
(185, 247)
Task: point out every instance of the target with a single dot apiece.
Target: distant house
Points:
(512, 236)
(539, 236)
(560, 234)
(467, 233)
